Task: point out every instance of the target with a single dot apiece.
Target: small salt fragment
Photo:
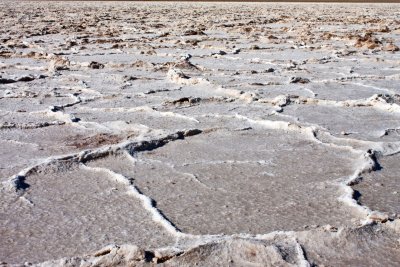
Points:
(27, 78)
(96, 65)
(330, 228)
(236, 51)
(192, 132)
(219, 53)
(186, 57)
(391, 48)
(270, 70)
(54, 108)
(75, 119)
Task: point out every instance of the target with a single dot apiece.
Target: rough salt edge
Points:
(375, 101)
(12, 183)
(367, 164)
(347, 197)
(147, 202)
(148, 110)
(177, 76)
(56, 111)
(70, 119)
(172, 167)
(276, 125)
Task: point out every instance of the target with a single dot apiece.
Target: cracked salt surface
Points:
(268, 137)
(380, 190)
(70, 208)
(236, 178)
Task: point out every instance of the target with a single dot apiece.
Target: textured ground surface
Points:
(215, 134)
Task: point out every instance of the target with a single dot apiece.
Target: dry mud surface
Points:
(137, 134)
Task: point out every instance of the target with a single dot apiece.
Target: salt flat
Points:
(210, 134)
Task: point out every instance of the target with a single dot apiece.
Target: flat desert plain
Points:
(209, 134)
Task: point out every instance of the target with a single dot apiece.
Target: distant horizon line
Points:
(233, 1)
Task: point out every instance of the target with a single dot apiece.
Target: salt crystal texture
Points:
(240, 134)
